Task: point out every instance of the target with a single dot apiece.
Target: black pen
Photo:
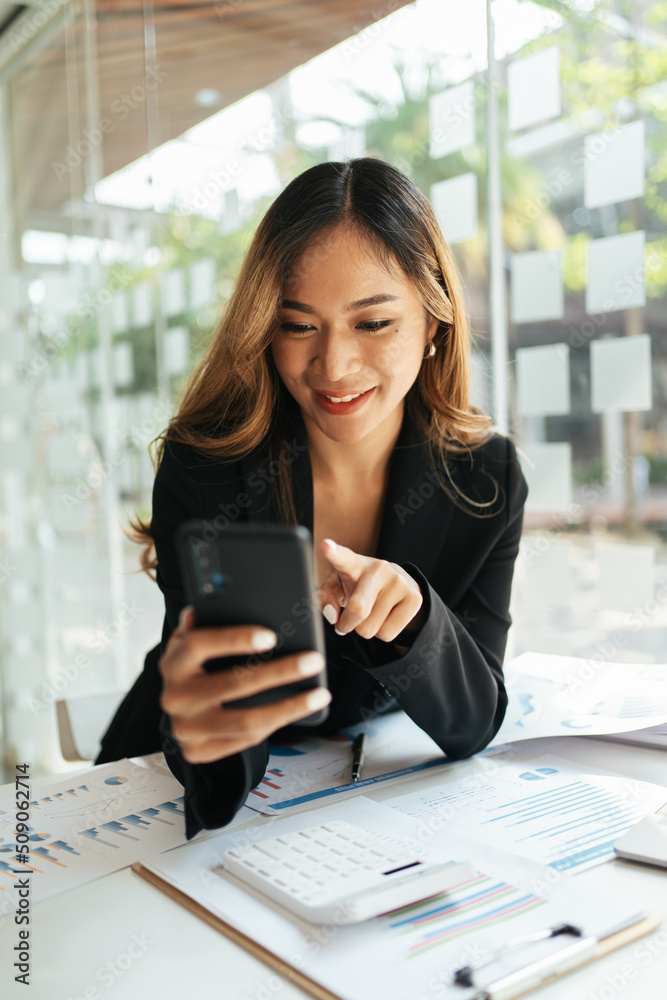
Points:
(358, 754)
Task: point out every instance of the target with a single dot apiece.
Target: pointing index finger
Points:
(346, 560)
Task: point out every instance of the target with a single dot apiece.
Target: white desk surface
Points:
(77, 937)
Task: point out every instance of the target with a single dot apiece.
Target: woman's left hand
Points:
(370, 596)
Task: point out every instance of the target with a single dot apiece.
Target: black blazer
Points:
(449, 682)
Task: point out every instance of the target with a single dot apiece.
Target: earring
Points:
(430, 352)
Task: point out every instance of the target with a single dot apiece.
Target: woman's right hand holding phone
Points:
(195, 700)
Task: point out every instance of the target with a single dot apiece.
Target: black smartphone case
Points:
(255, 575)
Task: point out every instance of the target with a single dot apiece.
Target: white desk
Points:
(173, 954)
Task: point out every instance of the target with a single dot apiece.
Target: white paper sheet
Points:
(543, 380)
(452, 120)
(615, 273)
(621, 374)
(455, 204)
(614, 165)
(536, 291)
(90, 825)
(625, 575)
(533, 89)
(552, 811)
(409, 952)
(553, 695)
(550, 480)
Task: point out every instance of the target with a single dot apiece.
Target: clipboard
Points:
(604, 946)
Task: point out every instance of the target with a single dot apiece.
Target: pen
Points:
(525, 978)
(358, 754)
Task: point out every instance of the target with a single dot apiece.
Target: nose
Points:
(336, 357)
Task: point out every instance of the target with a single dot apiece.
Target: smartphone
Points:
(255, 574)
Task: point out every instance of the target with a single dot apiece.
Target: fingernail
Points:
(330, 614)
(318, 699)
(310, 663)
(263, 638)
(338, 632)
(331, 542)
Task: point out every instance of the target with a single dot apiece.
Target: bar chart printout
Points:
(551, 811)
(84, 827)
(312, 771)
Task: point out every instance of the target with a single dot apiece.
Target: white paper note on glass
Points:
(615, 273)
(621, 374)
(202, 283)
(123, 364)
(550, 481)
(452, 120)
(455, 204)
(537, 286)
(480, 381)
(119, 317)
(548, 574)
(543, 380)
(533, 89)
(626, 575)
(142, 304)
(614, 165)
(176, 347)
(173, 292)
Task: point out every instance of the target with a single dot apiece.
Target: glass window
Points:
(131, 182)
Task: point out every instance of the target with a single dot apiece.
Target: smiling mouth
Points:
(343, 399)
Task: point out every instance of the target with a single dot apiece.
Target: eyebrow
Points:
(372, 300)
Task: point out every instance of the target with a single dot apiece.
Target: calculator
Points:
(340, 873)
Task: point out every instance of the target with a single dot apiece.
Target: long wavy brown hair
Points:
(232, 400)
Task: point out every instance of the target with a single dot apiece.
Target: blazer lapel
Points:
(258, 470)
(416, 511)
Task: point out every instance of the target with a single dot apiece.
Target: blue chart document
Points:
(84, 827)
(552, 811)
(317, 769)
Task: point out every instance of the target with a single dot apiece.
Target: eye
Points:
(367, 326)
(375, 324)
(295, 327)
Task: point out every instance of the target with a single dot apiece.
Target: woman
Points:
(415, 505)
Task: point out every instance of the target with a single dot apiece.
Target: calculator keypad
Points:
(320, 861)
